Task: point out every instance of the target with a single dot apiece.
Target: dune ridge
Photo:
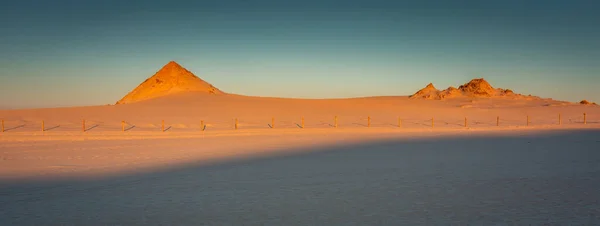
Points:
(476, 88)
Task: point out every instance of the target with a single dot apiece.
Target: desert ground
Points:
(64, 146)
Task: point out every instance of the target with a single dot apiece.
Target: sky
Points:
(78, 52)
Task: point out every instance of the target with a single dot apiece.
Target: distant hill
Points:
(170, 79)
(475, 88)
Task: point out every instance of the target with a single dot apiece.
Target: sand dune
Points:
(170, 79)
(476, 88)
(184, 112)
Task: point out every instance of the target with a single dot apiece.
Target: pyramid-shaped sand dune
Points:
(170, 79)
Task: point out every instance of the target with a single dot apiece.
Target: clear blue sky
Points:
(77, 52)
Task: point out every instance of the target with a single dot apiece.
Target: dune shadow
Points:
(269, 125)
(299, 126)
(388, 177)
(130, 128)
(14, 128)
(91, 127)
(167, 129)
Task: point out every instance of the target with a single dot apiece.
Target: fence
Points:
(301, 123)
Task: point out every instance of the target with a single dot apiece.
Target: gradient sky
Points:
(78, 52)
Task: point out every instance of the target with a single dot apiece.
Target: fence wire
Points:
(473, 121)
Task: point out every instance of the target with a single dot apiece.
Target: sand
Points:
(393, 169)
(458, 177)
(104, 149)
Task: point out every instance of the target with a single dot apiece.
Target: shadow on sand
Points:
(529, 178)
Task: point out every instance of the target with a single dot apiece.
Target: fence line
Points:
(334, 122)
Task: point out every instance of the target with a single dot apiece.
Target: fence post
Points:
(432, 122)
(272, 122)
(465, 122)
(559, 119)
(236, 123)
(3, 125)
(497, 120)
(369, 121)
(163, 125)
(43, 129)
(83, 125)
(302, 122)
(527, 120)
(584, 119)
(399, 122)
(336, 122)
(123, 126)
(202, 125)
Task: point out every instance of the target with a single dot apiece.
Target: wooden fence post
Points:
(559, 119)
(3, 125)
(399, 122)
(202, 124)
(584, 119)
(272, 122)
(497, 120)
(83, 125)
(527, 120)
(236, 123)
(162, 127)
(465, 122)
(369, 121)
(43, 129)
(336, 122)
(302, 122)
(123, 126)
(432, 122)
